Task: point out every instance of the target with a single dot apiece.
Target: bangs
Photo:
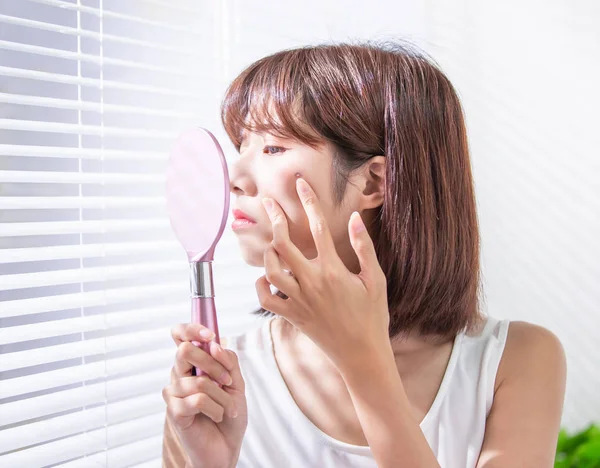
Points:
(268, 97)
(364, 100)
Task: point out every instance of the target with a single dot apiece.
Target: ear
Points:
(373, 182)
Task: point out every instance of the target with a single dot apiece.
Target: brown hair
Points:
(383, 98)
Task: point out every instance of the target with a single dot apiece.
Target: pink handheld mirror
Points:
(197, 193)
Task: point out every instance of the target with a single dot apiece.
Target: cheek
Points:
(286, 184)
(300, 234)
(281, 185)
(283, 188)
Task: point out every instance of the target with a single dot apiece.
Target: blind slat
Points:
(162, 357)
(82, 372)
(80, 129)
(131, 432)
(59, 28)
(78, 421)
(39, 305)
(124, 342)
(43, 330)
(155, 463)
(98, 60)
(136, 452)
(87, 395)
(122, 457)
(87, 274)
(56, 177)
(93, 82)
(88, 106)
(63, 327)
(79, 153)
(57, 451)
(74, 227)
(46, 203)
(62, 252)
(79, 349)
(178, 6)
(104, 13)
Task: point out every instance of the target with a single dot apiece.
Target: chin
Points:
(253, 258)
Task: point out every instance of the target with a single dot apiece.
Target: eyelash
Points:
(276, 147)
(266, 147)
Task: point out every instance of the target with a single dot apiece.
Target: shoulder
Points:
(530, 351)
(523, 424)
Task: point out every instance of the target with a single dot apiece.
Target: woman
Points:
(374, 352)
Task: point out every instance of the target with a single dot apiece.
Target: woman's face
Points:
(268, 166)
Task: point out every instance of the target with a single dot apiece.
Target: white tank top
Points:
(279, 435)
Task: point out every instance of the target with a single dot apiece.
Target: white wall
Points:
(527, 73)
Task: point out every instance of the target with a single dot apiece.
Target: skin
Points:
(265, 170)
(376, 397)
(528, 395)
(269, 167)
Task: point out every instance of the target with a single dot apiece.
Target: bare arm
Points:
(383, 409)
(523, 424)
(173, 455)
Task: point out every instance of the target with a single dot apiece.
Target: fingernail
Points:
(268, 204)
(207, 333)
(302, 186)
(234, 413)
(225, 378)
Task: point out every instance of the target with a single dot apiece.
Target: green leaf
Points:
(570, 444)
(587, 455)
(563, 439)
(580, 450)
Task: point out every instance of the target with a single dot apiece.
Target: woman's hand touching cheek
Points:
(345, 314)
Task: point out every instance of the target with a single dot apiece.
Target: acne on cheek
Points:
(288, 182)
(283, 182)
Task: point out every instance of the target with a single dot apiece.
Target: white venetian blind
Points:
(92, 95)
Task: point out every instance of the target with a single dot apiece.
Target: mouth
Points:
(242, 223)
(239, 214)
(242, 220)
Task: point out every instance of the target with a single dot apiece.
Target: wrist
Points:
(368, 361)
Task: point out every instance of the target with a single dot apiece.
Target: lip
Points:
(242, 223)
(239, 214)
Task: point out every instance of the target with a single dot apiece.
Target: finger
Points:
(268, 301)
(318, 224)
(181, 408)
(191, 332)
(229, 359)
(187, 386)
(281, 238)
(189, 356)
(365, 248)
(277, 276)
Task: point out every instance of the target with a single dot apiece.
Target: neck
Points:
(409, 348)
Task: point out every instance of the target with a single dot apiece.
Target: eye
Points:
(268, 148)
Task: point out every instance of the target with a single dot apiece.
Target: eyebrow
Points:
(244, 135)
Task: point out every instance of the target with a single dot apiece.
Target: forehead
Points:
(264, 128)
(265, 120)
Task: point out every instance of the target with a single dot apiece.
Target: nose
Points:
(240, 182)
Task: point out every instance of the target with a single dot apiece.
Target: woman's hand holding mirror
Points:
(209, 418)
